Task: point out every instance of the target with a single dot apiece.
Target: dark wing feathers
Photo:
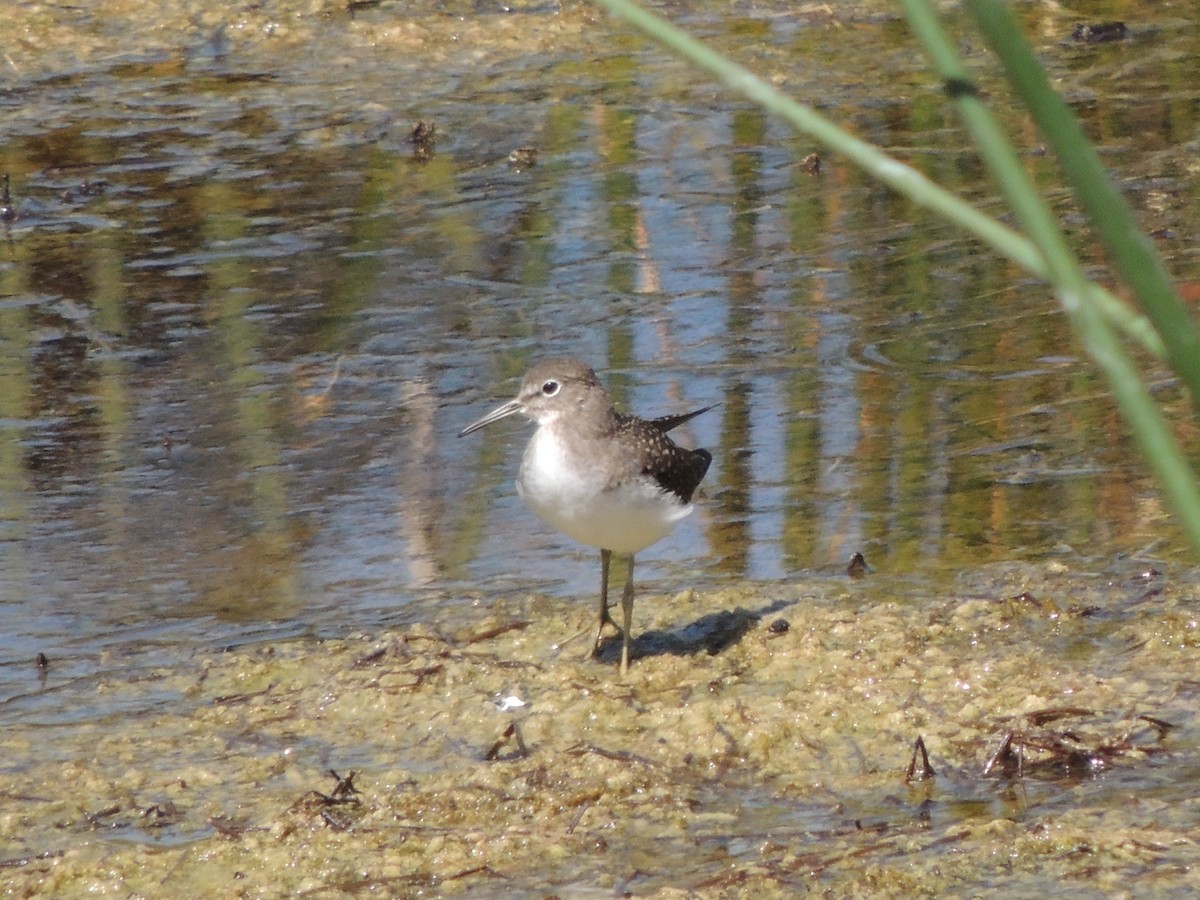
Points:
(675, 468)
(668, 423)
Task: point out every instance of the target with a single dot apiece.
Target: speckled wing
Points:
(675, 469)
(669, 423)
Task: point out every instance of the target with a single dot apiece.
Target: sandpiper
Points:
(606, 479)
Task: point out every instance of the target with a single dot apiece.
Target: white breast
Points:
(574, 496)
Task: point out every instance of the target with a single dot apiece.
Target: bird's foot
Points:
(605, 619)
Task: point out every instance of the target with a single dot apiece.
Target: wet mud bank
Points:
(765, 740)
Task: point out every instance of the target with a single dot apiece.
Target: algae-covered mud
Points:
(764, 743)
(269, 628)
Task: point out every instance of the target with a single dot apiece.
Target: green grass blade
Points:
(1130, 250)
(902, 178)
(1133, 399)
(1090, 308)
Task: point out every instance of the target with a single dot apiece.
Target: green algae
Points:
(779, 763)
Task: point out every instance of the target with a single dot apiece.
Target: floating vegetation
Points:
(877, 744)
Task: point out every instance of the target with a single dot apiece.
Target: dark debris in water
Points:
(1100, 32)
(510, 734)
(922, 769)
(343, 791)
(523, 158)
(339, 810)
(162, 815)
(7, 212)
(423, 138)
(20, 862)
(1073, 742)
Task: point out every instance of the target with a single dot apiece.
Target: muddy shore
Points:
(741, 754)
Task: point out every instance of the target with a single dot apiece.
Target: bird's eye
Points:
(550, 388)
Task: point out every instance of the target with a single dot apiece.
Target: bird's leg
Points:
(627, 617)
(605, 618)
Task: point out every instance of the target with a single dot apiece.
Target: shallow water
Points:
(242, 320)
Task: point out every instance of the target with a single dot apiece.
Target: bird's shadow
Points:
(711, 633)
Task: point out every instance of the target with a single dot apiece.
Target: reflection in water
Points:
(422, 508)
(195, 252)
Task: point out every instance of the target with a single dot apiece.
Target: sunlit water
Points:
(242, 322)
